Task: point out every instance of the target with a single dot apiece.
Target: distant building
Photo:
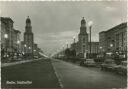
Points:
(28, 38)
(82, 39)
(35, 50)
(94, 49)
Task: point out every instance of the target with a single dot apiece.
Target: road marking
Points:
(58, 77)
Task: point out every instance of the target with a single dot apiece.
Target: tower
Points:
(28, 37)
(83, 38)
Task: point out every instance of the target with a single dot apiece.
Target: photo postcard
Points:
(63, 44)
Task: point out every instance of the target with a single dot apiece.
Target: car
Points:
(82, 62)
(122, 68)
(108, 65)
(88, 63)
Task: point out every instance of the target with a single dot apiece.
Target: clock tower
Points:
(28, 37)
(83, 38)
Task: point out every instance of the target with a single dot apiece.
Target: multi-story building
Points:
(114, 40)
(102, 42)
(28, 38)
(10, 38)
(6, 36)
(82, 39)
(16, 41)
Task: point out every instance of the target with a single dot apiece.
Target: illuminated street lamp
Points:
(29, 47)
(67, 44)
(18, 42)
(90, 27)
(25, 45)
(74, 38)
(111, 45)
(100, 47)
(6, 36)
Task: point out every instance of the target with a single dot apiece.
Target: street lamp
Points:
(67, 44)
(6, 37)
(111, 45)
(74, 38)
(29, 47)
(25, 45)
(25, 48)
(90, 27)
(18, 42)
(100, 47)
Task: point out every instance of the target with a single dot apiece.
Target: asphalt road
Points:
(35, 74)
(76, 77)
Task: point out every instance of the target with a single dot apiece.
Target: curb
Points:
(16, 63)
(57, 75)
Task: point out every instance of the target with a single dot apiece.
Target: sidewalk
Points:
(17, 62)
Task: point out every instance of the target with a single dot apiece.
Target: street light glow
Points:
(111, 45)
(25, 45)
(29, 47)
(74, 37)
(18, 42)
(100, 47)
(90, 23)
(5, 35)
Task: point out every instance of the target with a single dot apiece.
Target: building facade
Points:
(16, 41)
(10, 38)
(6, 36)
(94, 49)
(114, 40)
(28, 38)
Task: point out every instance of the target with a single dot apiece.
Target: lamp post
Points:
(90, 27)
(67, 45)
(6, 37)
(101, 51)
(25, 48)
(29, 47)
(74, 38)
(18, 42)
(111, 45)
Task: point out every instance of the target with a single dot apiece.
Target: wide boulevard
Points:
(53, 73)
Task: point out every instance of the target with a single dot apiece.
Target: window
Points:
(83, 40)
(83, 46)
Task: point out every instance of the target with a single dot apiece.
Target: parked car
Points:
(122, 68)
(88, 63)
(109, 65)
(82, 62)
(36, 57)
